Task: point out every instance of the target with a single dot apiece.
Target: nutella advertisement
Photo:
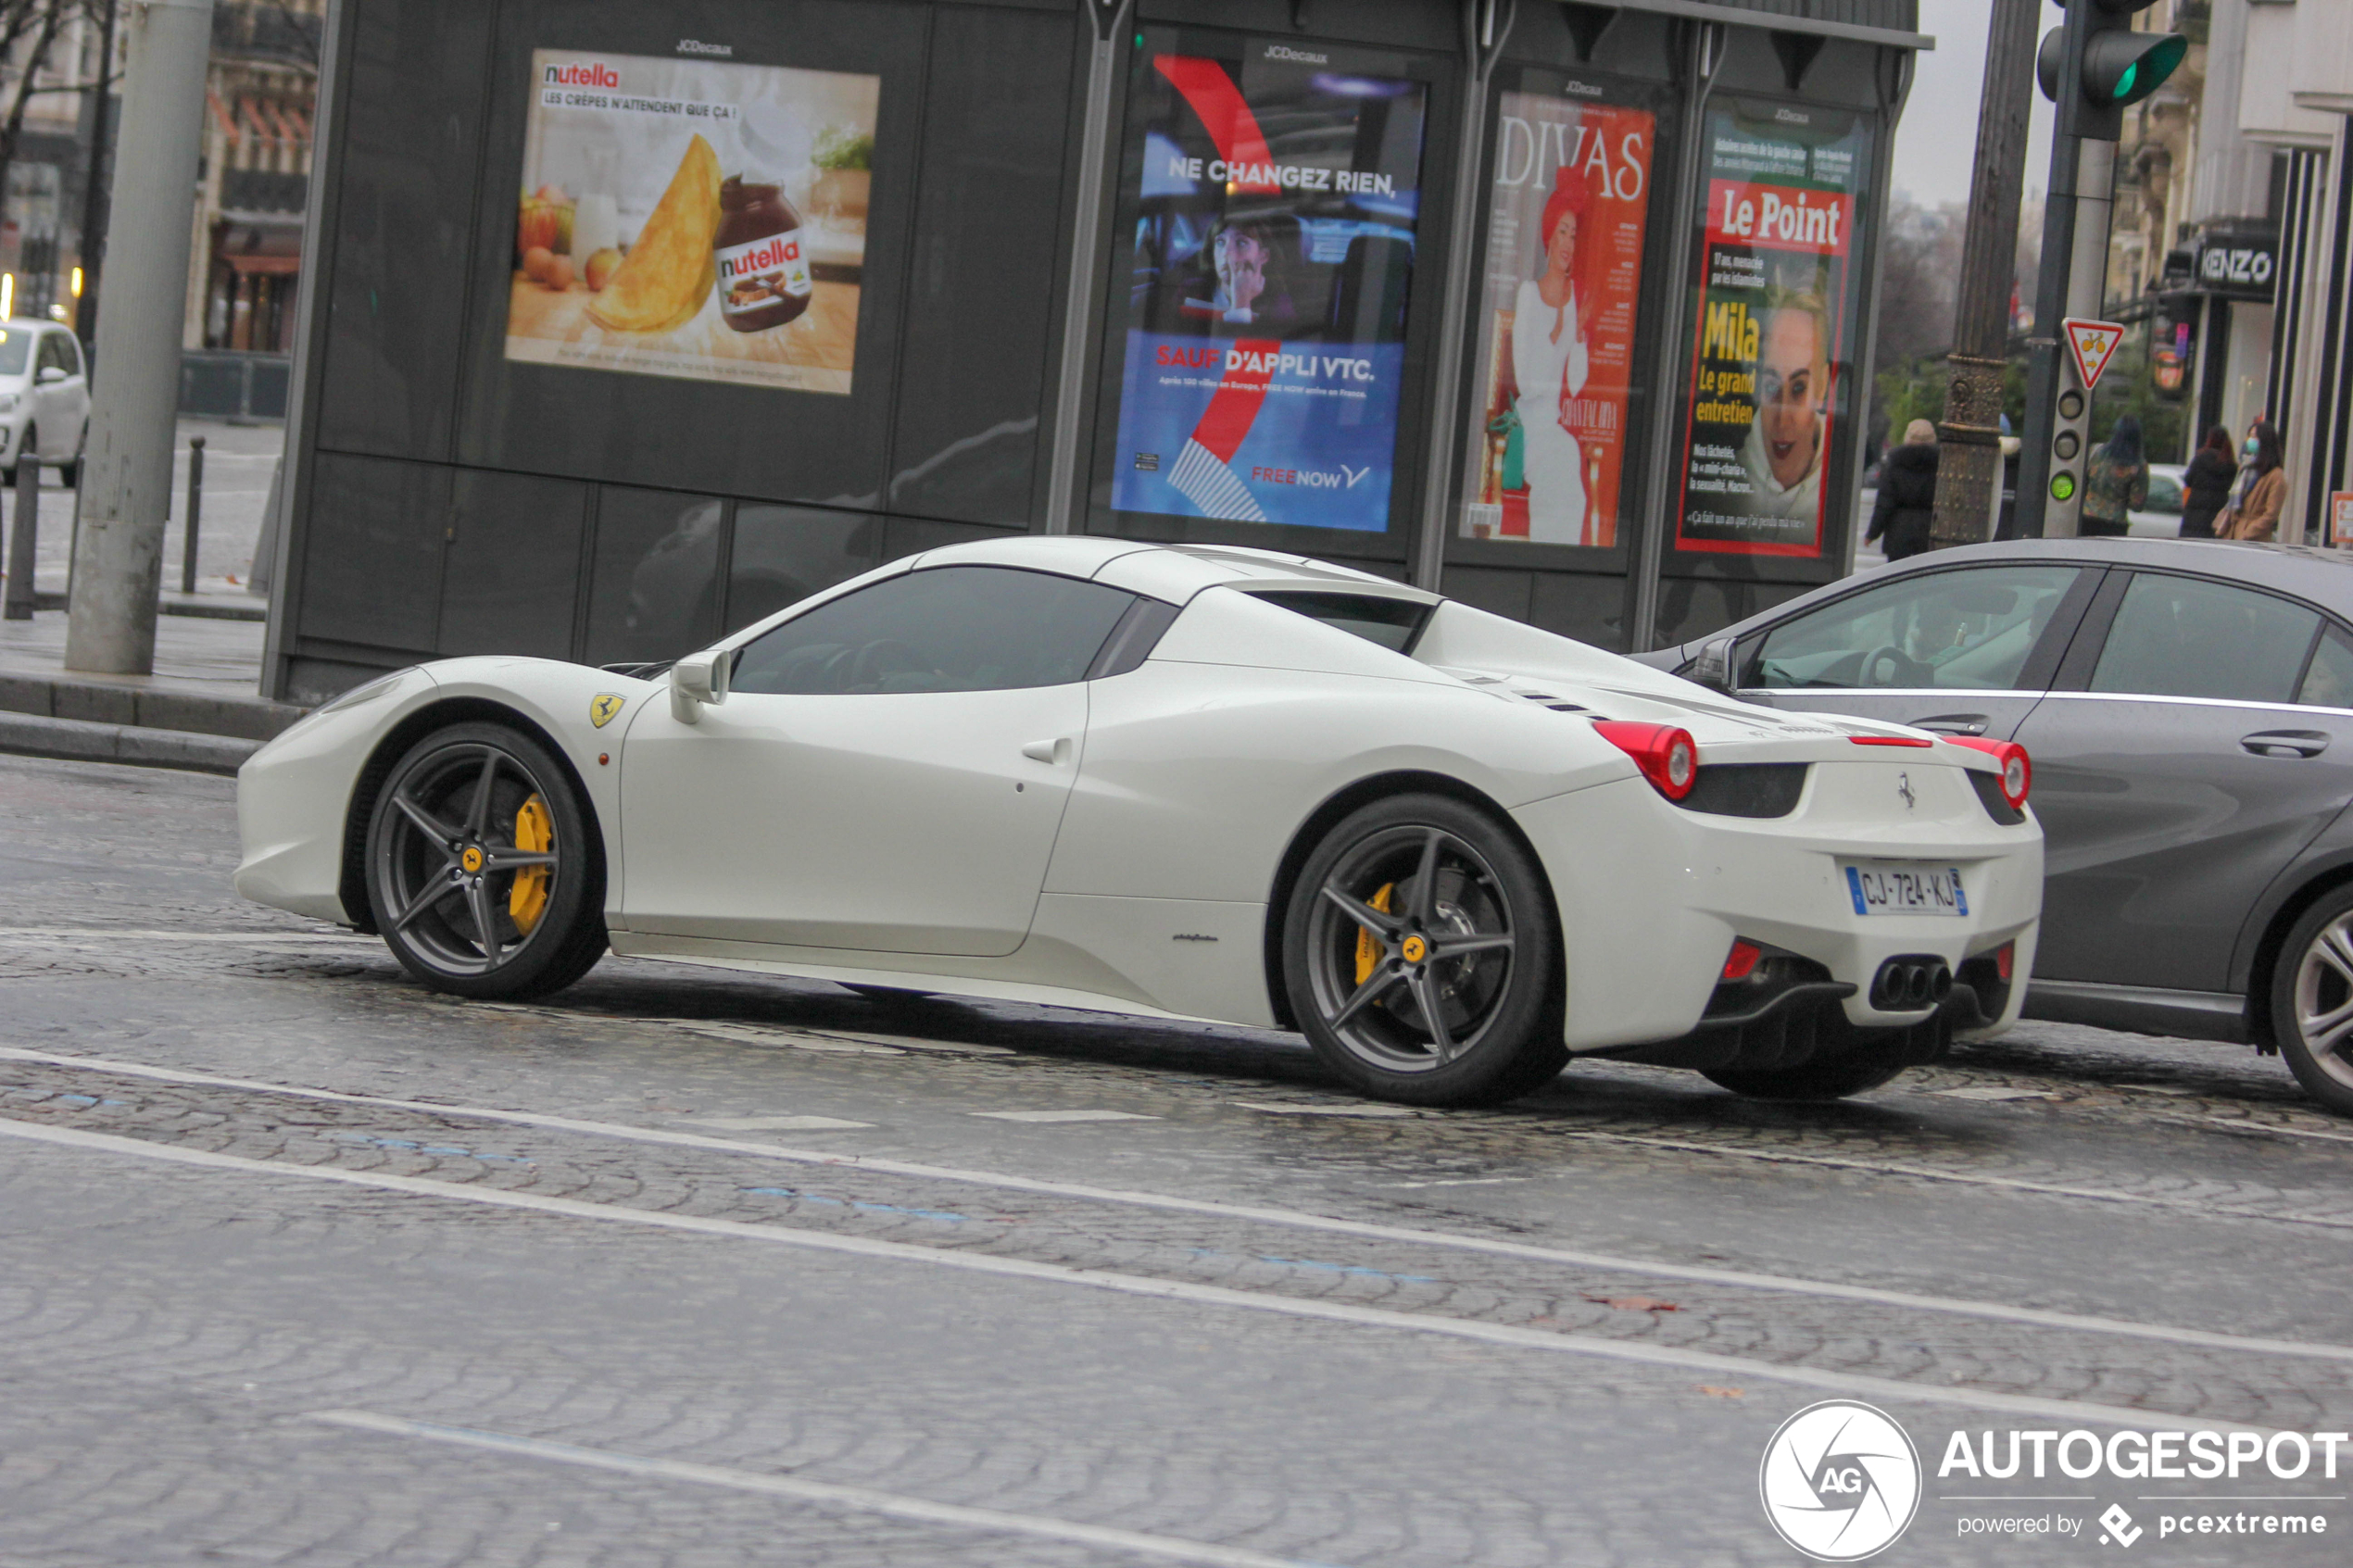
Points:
(1275, 196)
(679, 218)
(1777, 236)
(1555, 343)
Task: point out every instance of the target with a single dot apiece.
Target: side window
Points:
(54, 352)
(2328, 682)
(1970, 628)
(2189, 636)
(950, 629)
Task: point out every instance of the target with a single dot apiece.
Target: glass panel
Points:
(2187, 636)
(2329, 682)
(1968, 630)
(2165, 494)
(1392, 623)
(785, 554)
(1272, 198)
(955, 628)
(1770, 322)
(1554, 333)
(654, 592)
(16, 350)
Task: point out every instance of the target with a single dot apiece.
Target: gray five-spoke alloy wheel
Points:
(480, 870)
(1421, 955)
(2321, 1003)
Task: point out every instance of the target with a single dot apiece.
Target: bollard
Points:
(23, 536)
(196, 514)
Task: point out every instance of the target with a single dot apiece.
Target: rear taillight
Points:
(2018, 772)
(1668, 757)
(1891, 740)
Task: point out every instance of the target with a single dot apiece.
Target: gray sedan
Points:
(2188, 708)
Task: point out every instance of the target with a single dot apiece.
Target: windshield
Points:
(1392, 623)
(14, 346)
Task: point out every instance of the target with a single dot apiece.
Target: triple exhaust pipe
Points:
(1909, 982)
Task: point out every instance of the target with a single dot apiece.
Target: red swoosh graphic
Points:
(1213, 95)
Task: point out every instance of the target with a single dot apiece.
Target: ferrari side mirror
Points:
(1712, 666)
(698, 679)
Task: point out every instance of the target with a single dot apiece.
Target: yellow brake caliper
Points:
(535, 833)
(1368, 946)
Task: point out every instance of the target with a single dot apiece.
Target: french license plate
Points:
(1893, 889)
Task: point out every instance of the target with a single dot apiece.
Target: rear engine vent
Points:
(1997, 805)
(1750, 789)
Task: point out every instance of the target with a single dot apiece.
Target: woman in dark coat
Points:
(2206, 485)
(2116, 481)
(1907, 492)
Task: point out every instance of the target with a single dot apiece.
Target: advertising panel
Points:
(1777, 238)
(1264, 332)
(1556, 325)
(692, 218)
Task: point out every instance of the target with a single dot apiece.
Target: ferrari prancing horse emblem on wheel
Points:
(602, 706)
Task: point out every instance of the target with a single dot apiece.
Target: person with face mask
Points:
(2255, 513)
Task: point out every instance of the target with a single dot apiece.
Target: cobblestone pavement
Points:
(301, 1263)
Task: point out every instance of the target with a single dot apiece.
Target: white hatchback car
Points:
(44, 397)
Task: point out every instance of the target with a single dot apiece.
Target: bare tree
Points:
(29, 31)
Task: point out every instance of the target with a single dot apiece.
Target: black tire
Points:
(1474, 936)
(2312, 1001)
(1850, 1073)
(448, 816)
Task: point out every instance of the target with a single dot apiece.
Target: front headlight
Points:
(7, 402)
(368, 692)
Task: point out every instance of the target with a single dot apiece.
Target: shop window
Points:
(1267, 237)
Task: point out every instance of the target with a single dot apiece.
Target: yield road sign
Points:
(2090, 345)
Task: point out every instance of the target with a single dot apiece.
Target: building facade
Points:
(245, 261)
(631, 325)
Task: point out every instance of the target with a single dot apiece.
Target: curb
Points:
(28, 734)
(99, 701)
(204, 606)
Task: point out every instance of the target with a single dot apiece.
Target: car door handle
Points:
(2285, 742)
(1056, 750)
(1953, 723)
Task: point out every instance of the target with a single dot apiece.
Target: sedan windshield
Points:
(15, 344)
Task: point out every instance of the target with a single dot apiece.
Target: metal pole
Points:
(1485, 24)
(2043, 378)
(1706, 58)
(127, 472)
(23, 537)
(93, 191)
(1969, 470)
(196, 514)
(1079, 318)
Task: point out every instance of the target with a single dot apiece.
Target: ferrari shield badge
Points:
(602, 706)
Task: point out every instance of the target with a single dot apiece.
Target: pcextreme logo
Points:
(1841, 1481)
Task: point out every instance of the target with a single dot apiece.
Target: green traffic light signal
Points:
(2123, 68)
(2118, 67)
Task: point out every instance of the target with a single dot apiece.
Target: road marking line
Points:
(1062, 1116)
(1293, 1217)
(826, 1494)
(2008, 1184)
(1638, 1351)
(777, 1124)
(100, 936)
(1272, 1109)
(1994, 1095)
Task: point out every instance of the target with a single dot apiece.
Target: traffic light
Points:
(2116, 66)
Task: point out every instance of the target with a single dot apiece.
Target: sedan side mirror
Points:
(1714, 664)
(698, 679)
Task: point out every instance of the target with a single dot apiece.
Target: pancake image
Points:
(670, 271)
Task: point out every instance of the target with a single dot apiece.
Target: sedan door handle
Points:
(1047, 750)
(1953, 723)
(2285, 742)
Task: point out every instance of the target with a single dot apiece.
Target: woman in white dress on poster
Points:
(1548, 362)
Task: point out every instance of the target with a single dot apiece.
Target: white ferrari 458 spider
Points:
(1199, 783)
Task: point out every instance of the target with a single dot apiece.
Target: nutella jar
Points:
(763, 273)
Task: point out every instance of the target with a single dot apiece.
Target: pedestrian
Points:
(1906, 493)
(2116, 482)
(2255, 514)
(2206, 485)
